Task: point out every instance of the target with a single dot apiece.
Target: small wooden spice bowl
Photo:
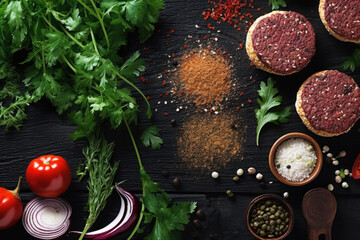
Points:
(283, 202)
(318, 165)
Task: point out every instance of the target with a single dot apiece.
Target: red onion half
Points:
(126, 218)
(47, 218)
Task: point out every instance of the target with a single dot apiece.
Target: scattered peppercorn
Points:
(240, 172)
(251, 170)
(259, 176)
(330, 187)
(345, 185)
(176, 182)
(215, 175)
(197, 223)
(286, 194)
(229, 193)
(200, 213)
(173, 122)
(236, 178)
(338, 179)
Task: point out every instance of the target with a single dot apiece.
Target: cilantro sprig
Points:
(270, 110)
(352, 62)
(276, 4)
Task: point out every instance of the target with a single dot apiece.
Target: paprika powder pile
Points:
(205, 76)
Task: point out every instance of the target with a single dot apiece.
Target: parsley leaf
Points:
(269, 111)
(150, 137)
(276, 4)
(352, 61)
(169, 218)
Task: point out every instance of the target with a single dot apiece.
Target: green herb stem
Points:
(87, 8)
(68, 63)
(101, 23)
(72, 38)
(142, 181)
(94, 42)
(137, 89)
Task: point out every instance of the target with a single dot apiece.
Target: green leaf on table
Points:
(269, 111)
(150, 137)
(276, 4)
(352, 62)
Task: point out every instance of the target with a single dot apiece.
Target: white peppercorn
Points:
(286, 194)
(329, 155)
(342, 154)
(346, 172)
(251, 170)
(335, 163)
(330, 187)
(215, 175)
(345, 185)
(259, 176)
(239, 172)
(338, 179)
(337, 172)
(325, 149)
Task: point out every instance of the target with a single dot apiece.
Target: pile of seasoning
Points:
(269, 218)
(205, 76)
(210, 141)
(295, 159)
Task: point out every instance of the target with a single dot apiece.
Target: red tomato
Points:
(11, 207)
(48, 176)
(356, 168)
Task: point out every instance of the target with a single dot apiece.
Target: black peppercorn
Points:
(173, 122)
(199, 213)
(176, 182)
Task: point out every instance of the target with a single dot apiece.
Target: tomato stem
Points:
(16, 191)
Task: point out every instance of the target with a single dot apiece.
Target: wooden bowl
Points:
(279, 199)
(318, 164)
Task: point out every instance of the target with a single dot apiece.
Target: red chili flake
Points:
(204, 37)
(241, 46)
(238, 107)
(246, 30)
(166, 43)
(252, 64)
(167, 35)
(209, 26)
(218, 52)
(172, 30)
(241, 93)
(165, 71)
(249, 100)
(163, 83)
(238, 29)
(185, 46)
(146, 48)
(148, 98)
(211, 111)
(158, 30)
(228, 55)
(166, 114)
(142, 78)
(173, 55)
(254, 80)
(181, 129)
(167, 93)
(146, 81)
(258, 9)
(161, 95)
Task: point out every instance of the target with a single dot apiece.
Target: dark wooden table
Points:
(46, 133)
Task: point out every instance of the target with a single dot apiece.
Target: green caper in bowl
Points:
(269, 216)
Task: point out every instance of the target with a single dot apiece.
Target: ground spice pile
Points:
(208, 141)
(205, 76)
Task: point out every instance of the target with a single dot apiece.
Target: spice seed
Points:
(251, 170)
(330, 187)
(215, 175)
(240, 172)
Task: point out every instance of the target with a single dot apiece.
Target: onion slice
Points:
(47, 218)
(126, 218)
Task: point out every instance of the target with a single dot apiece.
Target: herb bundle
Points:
(276, 4)
(74, 60)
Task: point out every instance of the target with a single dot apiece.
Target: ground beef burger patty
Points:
(328, 103)
(341, 18)
(281, 42)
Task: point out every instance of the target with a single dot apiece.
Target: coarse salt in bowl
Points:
(295, 159)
